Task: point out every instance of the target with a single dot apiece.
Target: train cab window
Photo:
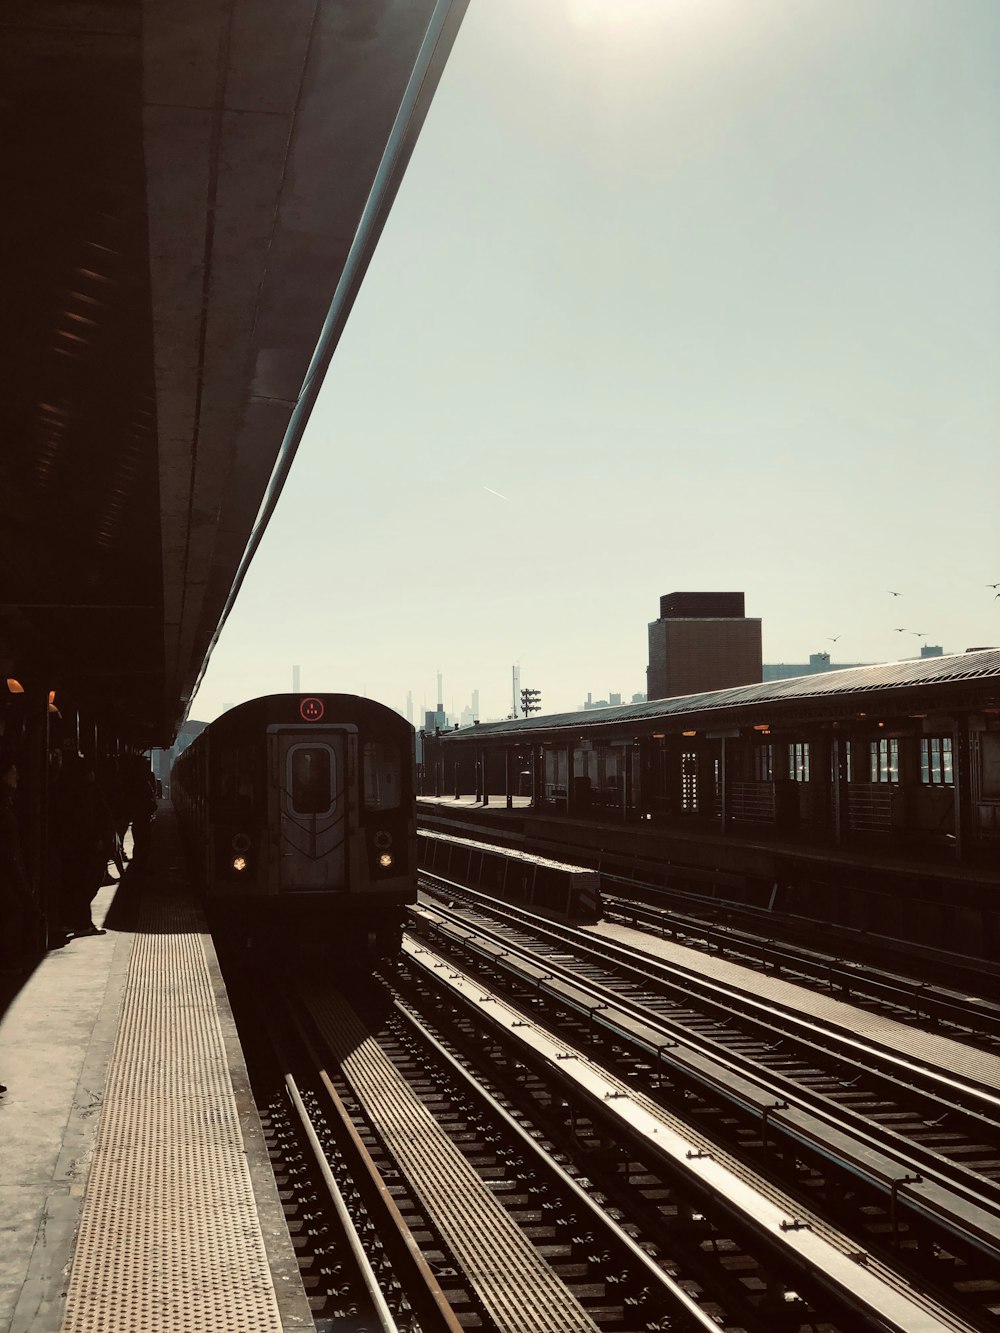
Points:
(382, 776)
(311, 779)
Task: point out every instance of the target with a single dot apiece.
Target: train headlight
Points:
(385, 860)
(383, 839)
(239, 863)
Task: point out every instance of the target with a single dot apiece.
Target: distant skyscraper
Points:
(409, 706)
(702, 641)
(475, 703)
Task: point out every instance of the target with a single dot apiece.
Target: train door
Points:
(310, 809)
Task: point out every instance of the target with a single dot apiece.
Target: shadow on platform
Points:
(156, 896)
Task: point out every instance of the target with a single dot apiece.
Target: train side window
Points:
(382, 776)
(310, 779)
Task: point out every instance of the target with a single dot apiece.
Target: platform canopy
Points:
(192, 192)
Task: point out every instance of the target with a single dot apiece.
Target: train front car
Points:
(300, 811)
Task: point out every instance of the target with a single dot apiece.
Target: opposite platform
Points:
(135, 1188)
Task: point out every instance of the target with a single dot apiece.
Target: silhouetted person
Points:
(85, 832)
(113, 789)
(140, 796)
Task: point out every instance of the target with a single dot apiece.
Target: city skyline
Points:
(672, 296)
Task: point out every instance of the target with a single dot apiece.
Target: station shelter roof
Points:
(192, 193)
(932, 684)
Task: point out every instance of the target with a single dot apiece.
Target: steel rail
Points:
(897, 1165)
(653, 1271)
(662, 969)
(811, 1246)
(924, 998)
(431, 1297)
(386, 1321)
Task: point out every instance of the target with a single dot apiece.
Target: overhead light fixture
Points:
(689, 733)
(14, 686)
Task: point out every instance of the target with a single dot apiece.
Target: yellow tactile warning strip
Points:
(945, 1053)
(169, 1237)
(515, 1285)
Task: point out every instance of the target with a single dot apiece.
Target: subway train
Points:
(298, 813)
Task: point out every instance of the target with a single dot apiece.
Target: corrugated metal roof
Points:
(924, 673)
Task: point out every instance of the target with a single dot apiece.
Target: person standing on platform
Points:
(113, 789)
(86, 833)
(140, 787)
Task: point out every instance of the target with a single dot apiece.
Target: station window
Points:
(689, 782)
(311, 777)
(382, 776)
(935, 761)
(763, 762)
(556, 774)
(798, 761)
(884, 756)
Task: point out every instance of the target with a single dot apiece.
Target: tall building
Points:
(702, 641)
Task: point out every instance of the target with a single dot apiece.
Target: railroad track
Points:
(841, 1139)
(905, 999)
(911, 983)
(417, 1202)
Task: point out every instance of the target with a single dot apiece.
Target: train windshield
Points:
(382, 776)
(311, 774)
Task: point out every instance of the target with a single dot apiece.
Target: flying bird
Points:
(496, 493)
(901, 629)
(834, 637)
(917, 632)
(994, 585)
(893, 594)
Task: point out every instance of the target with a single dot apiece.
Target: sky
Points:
(675, 295)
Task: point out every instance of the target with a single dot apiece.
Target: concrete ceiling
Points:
(194, 190)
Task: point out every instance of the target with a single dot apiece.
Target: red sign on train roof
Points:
(311, 710)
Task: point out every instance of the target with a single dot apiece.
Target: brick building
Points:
(702, 641)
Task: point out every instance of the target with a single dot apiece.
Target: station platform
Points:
(136, 1195)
